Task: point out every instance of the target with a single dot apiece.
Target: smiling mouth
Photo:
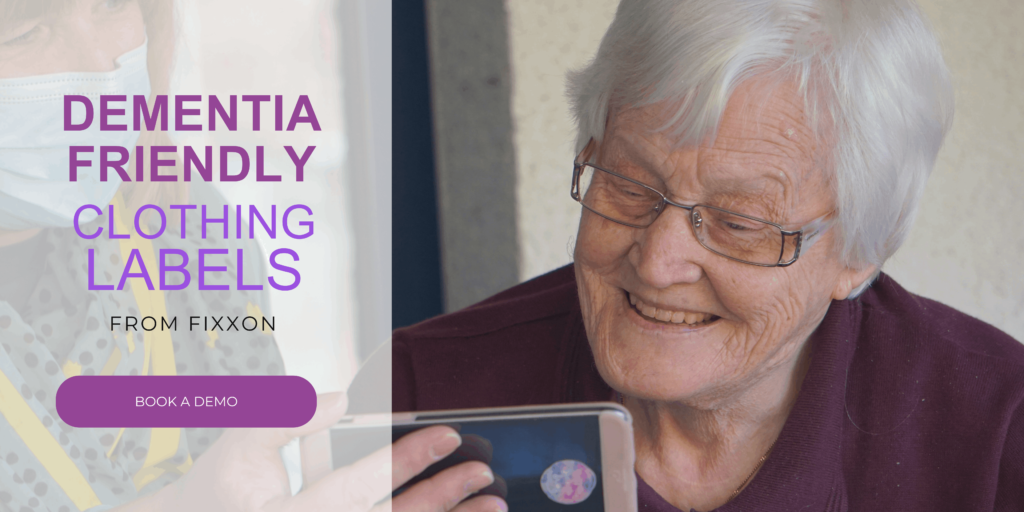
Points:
(670, 317)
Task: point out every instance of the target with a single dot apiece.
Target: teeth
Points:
(664, 315)
(648, 311)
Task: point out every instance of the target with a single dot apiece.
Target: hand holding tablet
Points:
(536, 458)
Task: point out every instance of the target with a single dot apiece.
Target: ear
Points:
(851, 278)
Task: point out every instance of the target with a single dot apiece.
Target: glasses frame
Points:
(806, 236)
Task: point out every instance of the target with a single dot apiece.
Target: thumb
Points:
(330, 407)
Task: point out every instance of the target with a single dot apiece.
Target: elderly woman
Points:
(745, 169)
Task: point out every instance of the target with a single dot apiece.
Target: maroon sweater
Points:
(908, 404)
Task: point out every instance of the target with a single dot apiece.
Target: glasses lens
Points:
(617, 198)
(738, 237)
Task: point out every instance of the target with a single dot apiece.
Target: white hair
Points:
(871, 73)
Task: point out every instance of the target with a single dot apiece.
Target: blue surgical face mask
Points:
(35, 188)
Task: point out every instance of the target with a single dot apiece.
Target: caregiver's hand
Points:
(243, 471)
(414, 452)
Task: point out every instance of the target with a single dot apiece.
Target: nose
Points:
(668, 252)
(86, 50)
(84, 45)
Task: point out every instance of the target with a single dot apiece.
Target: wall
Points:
(473, 148)
(317, 322)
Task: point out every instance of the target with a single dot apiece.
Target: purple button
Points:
(186, 401)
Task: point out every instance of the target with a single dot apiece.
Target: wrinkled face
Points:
(80, 35)
(725, 325)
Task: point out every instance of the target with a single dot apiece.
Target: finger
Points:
(498, 488)
(482, 504)
(330, 407)
(475, 447)
(475, 504)
(315, 456)
(373, 477)
(416, 451)
(352, 488)
(446, 489)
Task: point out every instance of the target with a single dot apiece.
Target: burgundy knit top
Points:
(908, 404)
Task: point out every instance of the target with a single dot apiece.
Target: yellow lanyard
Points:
(159, 350)
(158, 357)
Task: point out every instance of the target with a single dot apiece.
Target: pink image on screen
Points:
(568, 482)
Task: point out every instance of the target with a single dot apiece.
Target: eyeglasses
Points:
(734, 235)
